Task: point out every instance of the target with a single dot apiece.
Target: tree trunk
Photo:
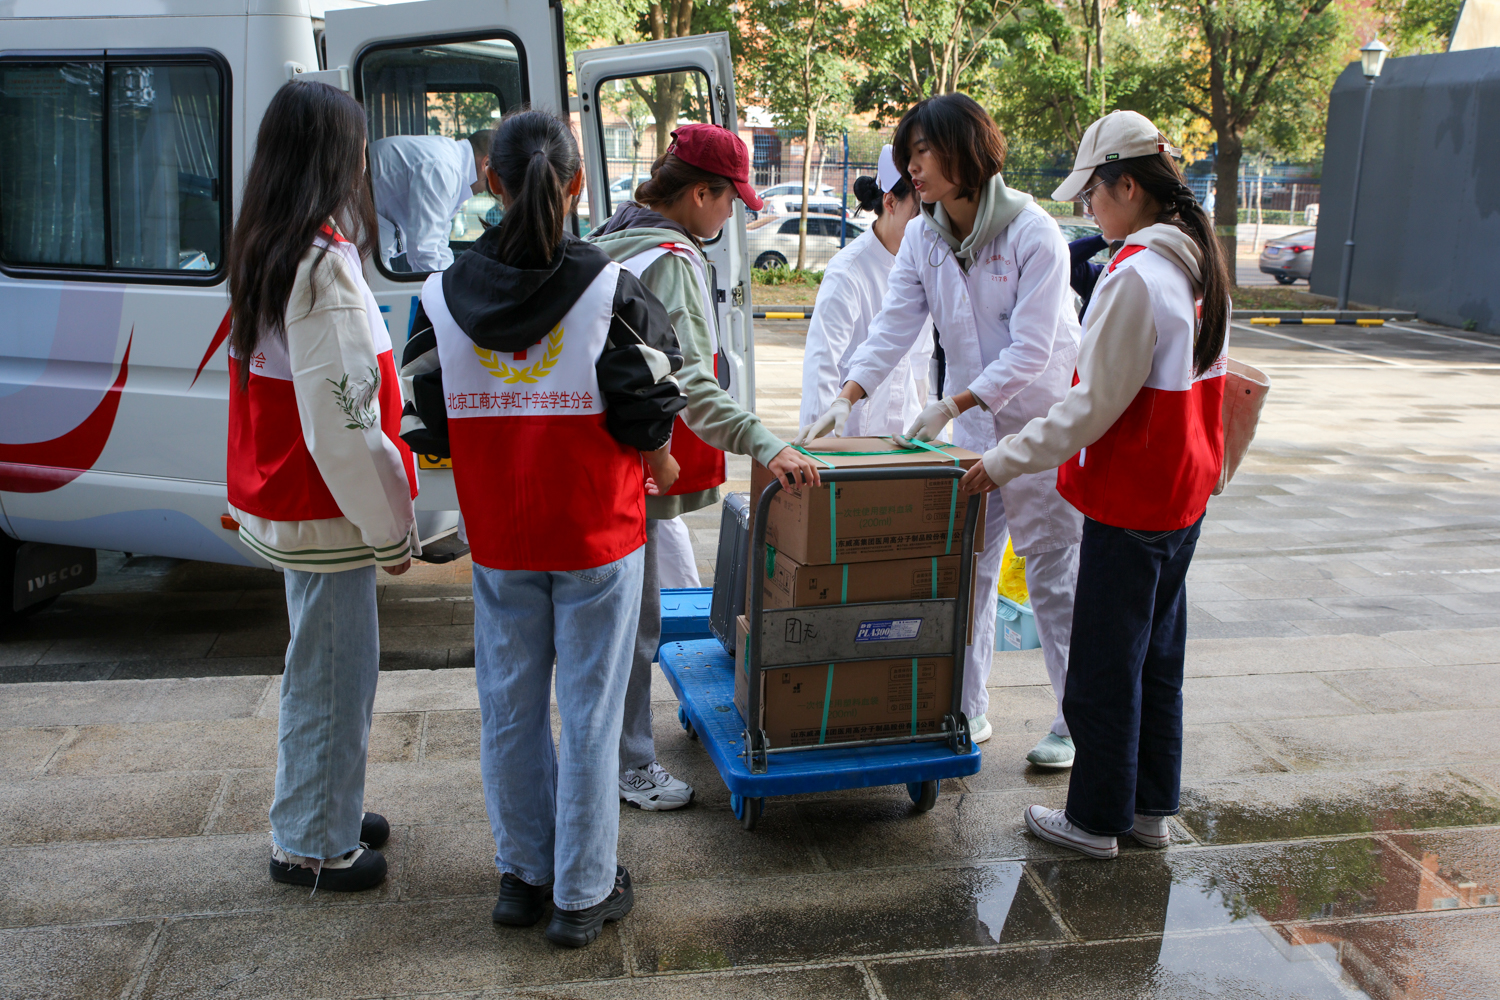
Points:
(1099, 51)
(1227, 201)
(812, 136)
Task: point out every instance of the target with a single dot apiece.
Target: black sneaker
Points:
(374, 831)
(356, 871)
(520, 904)
(576, 928)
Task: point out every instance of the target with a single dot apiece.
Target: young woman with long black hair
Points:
(1138, 442)
(557, 369)
(319, 480)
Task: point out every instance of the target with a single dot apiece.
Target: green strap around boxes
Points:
(833, 513)
(827, 699)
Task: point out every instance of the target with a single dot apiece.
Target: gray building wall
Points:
(1427, 234)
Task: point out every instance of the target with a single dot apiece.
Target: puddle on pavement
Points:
(1442, 801)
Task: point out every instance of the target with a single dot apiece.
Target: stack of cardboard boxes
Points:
(853, 543)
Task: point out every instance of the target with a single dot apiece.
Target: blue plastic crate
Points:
(1015, 626)
(684, 615)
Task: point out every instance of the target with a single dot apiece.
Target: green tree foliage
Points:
(797, 53)
(1416, 26)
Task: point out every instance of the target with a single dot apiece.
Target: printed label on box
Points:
(1012, 637)
(889, 630)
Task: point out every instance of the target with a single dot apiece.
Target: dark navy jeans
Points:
(1123, 700)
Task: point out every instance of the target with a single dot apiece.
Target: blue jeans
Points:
(1123, 699)
(555, 814)
(327, 695)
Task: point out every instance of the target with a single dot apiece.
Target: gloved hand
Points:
(831, 422)
(930, 422)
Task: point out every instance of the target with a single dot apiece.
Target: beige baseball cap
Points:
(1119, 135)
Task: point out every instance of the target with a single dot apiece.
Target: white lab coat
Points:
(1009, 335)
(848, 300)
(420, 183)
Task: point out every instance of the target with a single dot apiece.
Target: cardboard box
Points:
(868, 700)
(874, 521)
(790, 584)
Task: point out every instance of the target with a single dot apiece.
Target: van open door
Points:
(440, 70)
(630, 98)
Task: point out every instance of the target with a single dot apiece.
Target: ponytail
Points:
(535, 156)
(1159, 177)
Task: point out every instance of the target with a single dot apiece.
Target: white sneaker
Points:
(653, 789)
(980, 729)
(1151, 831)
(1052, 826)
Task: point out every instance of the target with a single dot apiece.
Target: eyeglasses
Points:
(1086, 196)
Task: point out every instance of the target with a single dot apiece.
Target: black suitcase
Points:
(730, 569)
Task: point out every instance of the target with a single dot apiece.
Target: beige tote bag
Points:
(1245, 389)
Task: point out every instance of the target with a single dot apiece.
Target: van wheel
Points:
(768, 260)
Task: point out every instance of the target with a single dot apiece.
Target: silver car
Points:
(1290, 257)
(772, 240)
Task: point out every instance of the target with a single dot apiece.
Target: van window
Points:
(636, 117)
(112, 166)
(423, 102)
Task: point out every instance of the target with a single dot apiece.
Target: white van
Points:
(127, 128)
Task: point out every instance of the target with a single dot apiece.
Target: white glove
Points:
(830, 422)
(930, 422)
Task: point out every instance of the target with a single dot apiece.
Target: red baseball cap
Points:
(719, 151)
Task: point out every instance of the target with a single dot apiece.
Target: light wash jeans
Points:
(637, 745)
(327, 695)
(555, 812)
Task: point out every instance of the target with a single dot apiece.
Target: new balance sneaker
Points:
(653, 789)
(356, 871)
(520, 903)
(1052, 826)
(576, 928)
(1151, 831)
(1054, 751)
(980, 729)
(374, 831)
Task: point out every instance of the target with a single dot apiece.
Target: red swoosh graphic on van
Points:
(213, 345)
(43, 466)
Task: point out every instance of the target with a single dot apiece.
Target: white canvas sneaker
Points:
(1052, 826)
(980, 729)
(1151, 831)
(653, 789)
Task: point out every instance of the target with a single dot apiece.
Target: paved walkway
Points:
(1340, 834)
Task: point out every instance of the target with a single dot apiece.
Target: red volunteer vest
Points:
(701, 463)
(271, 474)
(542, 484)
(1156, 466)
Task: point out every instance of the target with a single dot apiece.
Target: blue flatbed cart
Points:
(701, 673)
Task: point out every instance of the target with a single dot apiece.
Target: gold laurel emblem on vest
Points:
(531, 373)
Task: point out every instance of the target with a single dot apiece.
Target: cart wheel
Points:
(924, 793)
(686, 723)
(747, 811)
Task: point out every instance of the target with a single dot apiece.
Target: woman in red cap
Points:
(659, 238)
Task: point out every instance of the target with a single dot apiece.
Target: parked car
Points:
(772, 241)
(1080, 230)
(791, 204)
(781, 189)
(1290, 257)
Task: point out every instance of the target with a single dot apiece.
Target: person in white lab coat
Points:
(420, 183)
(992, 268)
(848, 299)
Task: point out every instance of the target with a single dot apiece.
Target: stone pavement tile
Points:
(1467, 860)
(1478, 583)
(452, 735)
(1222, 657)
(28, 748)
(67, 672)
(1382, 607)
(245, 806)
(1430, 688)
(209, 666)
(1451, 647)
(47, 810)
(707, 842)
(116, 646)
(414, 613)
(1265, 589)
(1005, 767)
(1398, 586)
(23, 652)
(1213, 629)
(854, 834)
(82, 883)
(1392, 623)
(1023, 710)
(429, 792)
(1267, 610)
(1237, 963)
(835, 982)
(1402, 739)
(100, 702)
(442, 945)
(432, 659)
(1017, 667)
(168, 746)
(1267, 696)
(1452, 955)
(1292, 806)
(1469, 604)
(426, 691)
(1210, 570)
(420, 638)
(1213, 590)
(1222, 751)
(91, 963)
(831, 916)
